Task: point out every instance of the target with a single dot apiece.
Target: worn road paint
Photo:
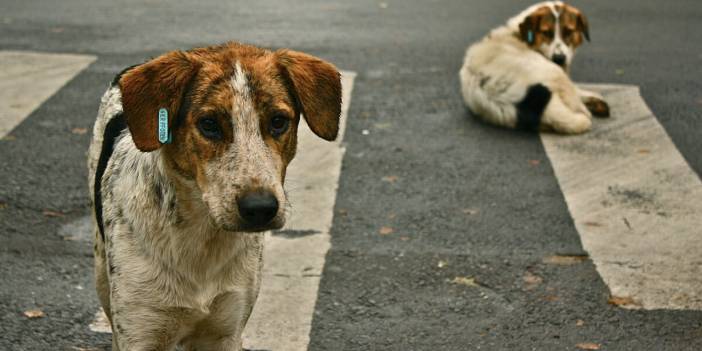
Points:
(27, 79)
(636, 203)
(100, 323)
(282, 316)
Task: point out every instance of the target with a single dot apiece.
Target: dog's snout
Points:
(257, 209)
(559, 59)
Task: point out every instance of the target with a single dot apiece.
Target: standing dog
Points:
(187, 165)
(517, 76)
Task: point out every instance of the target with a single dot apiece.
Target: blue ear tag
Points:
(164, 135)
(530, 37)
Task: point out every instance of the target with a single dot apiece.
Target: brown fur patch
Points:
(542, 26)
(273, 97)
(598, 107)
(573, 25)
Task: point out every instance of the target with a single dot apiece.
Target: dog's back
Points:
(498, 81)
(108, 125)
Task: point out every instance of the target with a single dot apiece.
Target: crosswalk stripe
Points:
(635, 202)
(27, 79)
(294, 258)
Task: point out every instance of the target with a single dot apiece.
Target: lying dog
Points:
(187, 165)
(517, 76)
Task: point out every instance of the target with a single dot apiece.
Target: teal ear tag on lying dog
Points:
(530, 37)
(164, 134)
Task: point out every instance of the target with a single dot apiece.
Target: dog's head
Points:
(554, 29)
(233, 111)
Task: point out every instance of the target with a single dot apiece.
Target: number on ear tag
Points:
(164, 134)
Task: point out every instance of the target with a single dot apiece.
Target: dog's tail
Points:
(532, 106)
(501, 102)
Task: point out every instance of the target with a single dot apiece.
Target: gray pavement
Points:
(481, 202)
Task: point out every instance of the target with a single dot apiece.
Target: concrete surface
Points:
(294, 256)
(635, 202)
(28, 78)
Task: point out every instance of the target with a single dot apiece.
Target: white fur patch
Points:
(242, 105)
(239, 81)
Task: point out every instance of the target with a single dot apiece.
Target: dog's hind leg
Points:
(562, 119)
(487, 98)
(531, 108)
(594, 102)
(102, 282)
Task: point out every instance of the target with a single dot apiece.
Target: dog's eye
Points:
(549, 34)
(209, 128)
(279, 125)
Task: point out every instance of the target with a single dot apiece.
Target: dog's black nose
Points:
(559, 59)
(258, 208)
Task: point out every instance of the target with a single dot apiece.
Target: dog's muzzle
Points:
(258, 209)
(559, 59)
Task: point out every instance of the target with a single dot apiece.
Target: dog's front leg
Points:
(223, 329)
(594, 102)
(143, 328)
(229, 343)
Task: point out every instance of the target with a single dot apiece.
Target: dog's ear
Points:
(582, 25)
(529, 27)
(532, 29)
(316, 84)
(147, 88)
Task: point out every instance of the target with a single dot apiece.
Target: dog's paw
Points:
(598, 107)
(575, 123)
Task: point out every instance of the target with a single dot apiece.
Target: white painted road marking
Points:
(100, 323)
(27, 79)
(635, 202)
(283, 313)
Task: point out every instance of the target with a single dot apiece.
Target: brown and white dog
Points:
(517, 76)
(179, 238)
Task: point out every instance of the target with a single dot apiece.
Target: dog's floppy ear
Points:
(582, 25)
(533, 27)
(154, 85)
(317, 88)
(529, 27)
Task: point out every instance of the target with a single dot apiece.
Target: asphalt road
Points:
(464, 193)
